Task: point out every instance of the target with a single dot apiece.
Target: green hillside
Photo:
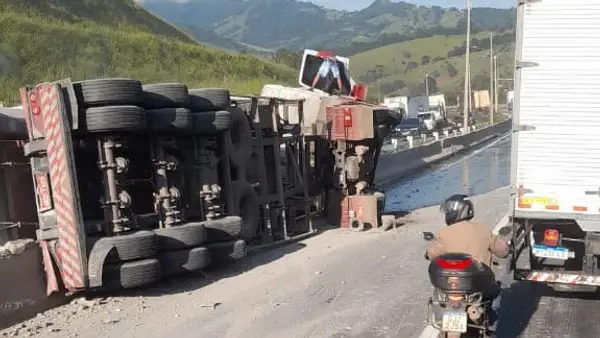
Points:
(405, 65)
(295, 24)
(44, 41)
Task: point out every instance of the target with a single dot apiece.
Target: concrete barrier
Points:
(396, 165)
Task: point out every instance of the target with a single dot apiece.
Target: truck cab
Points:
(428, 119)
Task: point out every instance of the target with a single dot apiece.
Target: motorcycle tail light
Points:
(448, 264)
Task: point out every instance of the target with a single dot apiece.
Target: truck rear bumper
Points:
(562, 278)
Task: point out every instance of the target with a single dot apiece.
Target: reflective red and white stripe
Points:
(68, 251)
(563, 278)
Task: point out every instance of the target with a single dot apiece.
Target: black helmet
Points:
(458, 208)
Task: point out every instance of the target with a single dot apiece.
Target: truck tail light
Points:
(551, 237)
(347, 118)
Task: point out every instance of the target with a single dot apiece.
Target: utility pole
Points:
(427, 85)
(379, 74)
(495, 83)
(467, 71)
(492, 76)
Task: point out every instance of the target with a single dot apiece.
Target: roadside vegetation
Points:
(441, 58)
(35, 47)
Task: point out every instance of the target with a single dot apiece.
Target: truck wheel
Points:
(224, 229)
(165, 95)
(115, 119)
(140, 244)
(209, 99)
(180, 262)
(239, 145)
(212, 122)
(131, 274)
(180, 237)
(246, 205)
(223, 253)
(108, 92)
(170, 119)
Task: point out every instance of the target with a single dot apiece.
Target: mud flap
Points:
(96, 264)
(51, 281)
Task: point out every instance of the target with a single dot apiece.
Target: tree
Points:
(411, 65)
(452, 71)
(425, 59)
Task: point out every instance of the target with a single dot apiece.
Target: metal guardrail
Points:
(400, 142)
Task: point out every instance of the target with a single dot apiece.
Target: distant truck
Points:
(417, 105)
(438, 101)
(555, 172)
(397, 103)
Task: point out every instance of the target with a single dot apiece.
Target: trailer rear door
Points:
(556, 146)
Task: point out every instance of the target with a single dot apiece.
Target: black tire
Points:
(140, 244)
(224, 229)
(165, 95)
(222, 253)
(170, 119)
(114, 119)
(209, 99)
(103, 92)
(131, 274)
(246, 205)
(212, 122)
(239, 145)
(181, 237)
(180, 262)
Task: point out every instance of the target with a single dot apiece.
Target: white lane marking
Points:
(432, 332)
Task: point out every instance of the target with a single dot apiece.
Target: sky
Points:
(354, 5)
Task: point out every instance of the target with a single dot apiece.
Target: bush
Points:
(452, 71)
(425, 60)
(411, 65)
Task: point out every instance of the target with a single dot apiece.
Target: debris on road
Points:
(210, 306)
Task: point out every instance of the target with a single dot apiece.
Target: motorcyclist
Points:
(467, 237)
(464, 236)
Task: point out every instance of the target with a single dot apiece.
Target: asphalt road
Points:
(336, 284)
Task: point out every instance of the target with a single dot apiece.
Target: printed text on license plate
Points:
(547, 252)
(539, 200)
(454, 321)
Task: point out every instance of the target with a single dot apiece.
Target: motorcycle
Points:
(458, 307)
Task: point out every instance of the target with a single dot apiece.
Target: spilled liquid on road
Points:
(476, 173)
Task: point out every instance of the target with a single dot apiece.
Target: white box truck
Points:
(397, 103)
(555, 174)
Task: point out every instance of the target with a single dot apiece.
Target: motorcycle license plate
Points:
(543, 251)
(454, 321)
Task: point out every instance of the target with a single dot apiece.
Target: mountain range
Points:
(262, 25)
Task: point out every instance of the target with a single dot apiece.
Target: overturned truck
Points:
(135, 183)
